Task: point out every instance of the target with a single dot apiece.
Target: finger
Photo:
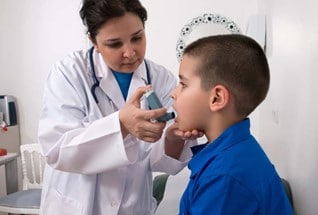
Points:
(150, 136)
(155, 127)
(154, 114)
(187, 134)
(136, 97)
(179, 133)
(148, 128)
(194, 134)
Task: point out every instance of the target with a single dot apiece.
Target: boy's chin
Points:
(185, 128)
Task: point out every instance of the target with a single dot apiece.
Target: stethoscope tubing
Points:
(96, 81)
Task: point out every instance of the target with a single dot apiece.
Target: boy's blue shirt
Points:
(233, 175)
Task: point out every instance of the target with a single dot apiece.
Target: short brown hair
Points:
(235, 61)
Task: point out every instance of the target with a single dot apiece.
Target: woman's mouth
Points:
(130, 63)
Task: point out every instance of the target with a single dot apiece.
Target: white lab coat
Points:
(91, 170)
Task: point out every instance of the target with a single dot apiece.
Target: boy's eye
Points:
(183, 85)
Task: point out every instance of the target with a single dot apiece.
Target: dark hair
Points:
(236, 62)
(95, 13)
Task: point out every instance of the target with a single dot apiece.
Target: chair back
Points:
(33, 164)
(288, 191)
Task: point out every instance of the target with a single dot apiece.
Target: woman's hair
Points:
(236, 62)
(95, 13)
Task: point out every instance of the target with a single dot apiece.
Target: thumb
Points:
(135, 98)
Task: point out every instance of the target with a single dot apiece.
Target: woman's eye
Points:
(114, 45)
(136, 39)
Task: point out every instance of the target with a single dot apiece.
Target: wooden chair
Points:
(27, 201)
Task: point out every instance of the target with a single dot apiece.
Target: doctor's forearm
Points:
(124, 131)
(174, 149)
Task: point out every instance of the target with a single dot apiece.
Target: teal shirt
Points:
(123, 80)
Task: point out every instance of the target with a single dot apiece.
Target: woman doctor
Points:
(101, 142)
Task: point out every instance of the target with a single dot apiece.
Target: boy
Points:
(222, 80)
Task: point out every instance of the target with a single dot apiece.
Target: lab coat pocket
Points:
(56, 203)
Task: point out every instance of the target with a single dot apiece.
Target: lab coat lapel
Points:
(139, 79)
(110, 87)
(109, 84)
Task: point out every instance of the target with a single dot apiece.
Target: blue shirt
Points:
(232, 175)
(123, 80)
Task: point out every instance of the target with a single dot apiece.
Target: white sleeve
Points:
(164, 163)
(73, 136)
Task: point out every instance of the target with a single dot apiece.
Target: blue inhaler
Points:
(154, 103)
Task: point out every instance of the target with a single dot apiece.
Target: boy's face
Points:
(191, 102)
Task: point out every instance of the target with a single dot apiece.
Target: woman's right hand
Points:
(141, 123)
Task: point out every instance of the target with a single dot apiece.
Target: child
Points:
(222, 80)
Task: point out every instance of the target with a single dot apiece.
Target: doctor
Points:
(100, 141)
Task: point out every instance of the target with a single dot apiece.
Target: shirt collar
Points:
(103, 70)
(204, 153)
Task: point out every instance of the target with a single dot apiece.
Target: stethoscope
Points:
(96, 81)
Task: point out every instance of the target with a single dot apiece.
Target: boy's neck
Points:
(218, 125)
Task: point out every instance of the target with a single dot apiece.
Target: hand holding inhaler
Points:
(154, 103)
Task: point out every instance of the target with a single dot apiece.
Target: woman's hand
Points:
(173, 134)
(175, 139)
(141, 123)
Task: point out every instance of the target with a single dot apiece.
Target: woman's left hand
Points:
(176, 138)
(174, 134)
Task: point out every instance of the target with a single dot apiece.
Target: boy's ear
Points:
(219, 98)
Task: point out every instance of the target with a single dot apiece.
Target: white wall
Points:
(34, 34)
(166, 18)
(289, 116)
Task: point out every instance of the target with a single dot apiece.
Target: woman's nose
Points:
(129, 51)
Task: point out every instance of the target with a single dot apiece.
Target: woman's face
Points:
(122, 43)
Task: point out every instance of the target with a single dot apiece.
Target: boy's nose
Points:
(173, 94)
